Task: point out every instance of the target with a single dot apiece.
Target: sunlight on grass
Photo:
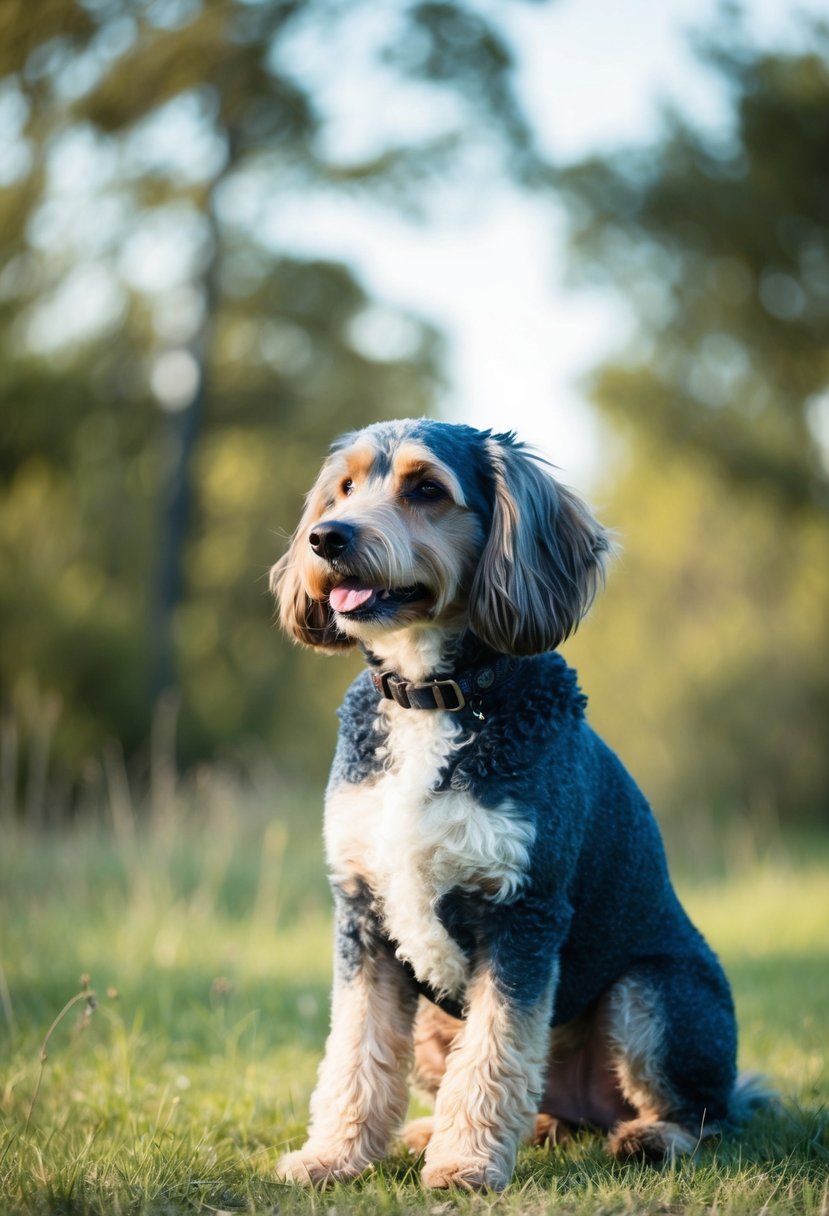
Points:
(769, 925)
(207, 939)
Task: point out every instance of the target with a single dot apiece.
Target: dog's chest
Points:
(413, 843)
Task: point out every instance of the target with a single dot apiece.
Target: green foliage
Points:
(205, 929)
(706, 658)
(162, 423)
(702, 659)
(720, 244)
(79, 527)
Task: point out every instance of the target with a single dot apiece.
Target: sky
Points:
(488, 269)
(594, 74)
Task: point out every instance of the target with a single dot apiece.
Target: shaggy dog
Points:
(505, 922)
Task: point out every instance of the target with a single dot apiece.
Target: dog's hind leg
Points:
(672, 1037)
(434, 1034)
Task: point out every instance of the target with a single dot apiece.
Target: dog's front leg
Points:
(362, 1089)
(489, 1095)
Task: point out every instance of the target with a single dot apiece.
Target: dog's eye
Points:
(426, 491)
(347, 486)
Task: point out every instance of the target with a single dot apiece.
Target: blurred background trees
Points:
(171, 375)
(709, 657)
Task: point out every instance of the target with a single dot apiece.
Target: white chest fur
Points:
(413, 844)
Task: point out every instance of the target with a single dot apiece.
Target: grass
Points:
(206, 937)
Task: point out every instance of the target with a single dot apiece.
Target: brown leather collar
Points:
(448, 693)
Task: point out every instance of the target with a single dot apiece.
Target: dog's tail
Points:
(752, 1093)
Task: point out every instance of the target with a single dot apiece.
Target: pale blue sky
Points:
(488, 267)
(595, 74)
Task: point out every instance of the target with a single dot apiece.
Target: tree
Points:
(165, 419)
(720, 245)
(718, 614)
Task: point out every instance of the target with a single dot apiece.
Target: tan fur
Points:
(489, 1096)
(435, 1032)
(399, 547)
(362, 1090)
(521, 589)
(417, 1134)
(652, 1139)
(636, 1033)
(548, 1132)
(414, 460)
(434, 1036)
(627, 1023)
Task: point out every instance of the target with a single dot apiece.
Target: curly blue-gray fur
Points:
(599, 898)
(574, 916)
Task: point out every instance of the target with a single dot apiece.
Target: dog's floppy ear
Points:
(542, 562)
(306, 620)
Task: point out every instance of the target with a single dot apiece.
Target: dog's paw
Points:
(651, 1140)
(418, 1133)
(550, 1132)
(312, 1168)
(468, 1174)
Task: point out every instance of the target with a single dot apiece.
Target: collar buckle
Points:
(427, 694)
(438, 688)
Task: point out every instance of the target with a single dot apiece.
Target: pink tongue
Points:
(346, 599)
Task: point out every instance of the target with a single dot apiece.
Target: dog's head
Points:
(418, 521)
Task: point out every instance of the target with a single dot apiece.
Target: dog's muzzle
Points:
(330, 540)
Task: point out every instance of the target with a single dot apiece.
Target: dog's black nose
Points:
(330, 540)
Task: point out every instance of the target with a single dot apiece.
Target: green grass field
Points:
(206, 938)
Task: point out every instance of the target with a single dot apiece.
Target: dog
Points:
(505, 923)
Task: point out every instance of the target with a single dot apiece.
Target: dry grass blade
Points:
(90, 1002)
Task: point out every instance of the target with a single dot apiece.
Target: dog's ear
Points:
(306, 620)
(543, 561)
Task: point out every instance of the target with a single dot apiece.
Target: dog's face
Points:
(418, 522)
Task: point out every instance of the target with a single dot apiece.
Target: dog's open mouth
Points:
(353, 598)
